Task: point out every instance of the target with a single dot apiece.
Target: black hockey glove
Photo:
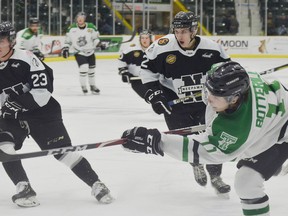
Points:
(125, 74)
(158, 101)
(11, 109)
(39, 54)
(102, 46)
(143, 140)
(65, 52)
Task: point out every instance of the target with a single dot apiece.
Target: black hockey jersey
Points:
(26, 80)
(132, 58)
(180, 72)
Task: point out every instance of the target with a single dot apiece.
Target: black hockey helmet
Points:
(185, 20)
(33, 20)
(227, 79)
(7, 30)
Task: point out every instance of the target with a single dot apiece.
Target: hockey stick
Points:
(271, 70)
(131, 38)
(127, 41)
(5, 157)
(183, 99)
(135, 78)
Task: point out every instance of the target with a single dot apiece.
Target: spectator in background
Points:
(234, 25)
(282, 30)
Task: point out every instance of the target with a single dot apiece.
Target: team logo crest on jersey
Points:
(171, 59)
(226, 141)
(163, 41)
(136, 54)
(81, 41)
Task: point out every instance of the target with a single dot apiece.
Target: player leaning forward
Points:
(28, 109)
(246, 121)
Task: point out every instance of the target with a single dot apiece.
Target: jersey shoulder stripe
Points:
(92, 26)
(167, 43)
(132, 49)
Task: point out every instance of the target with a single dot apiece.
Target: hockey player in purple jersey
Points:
(28, 109)
(246, 119)
(175, 67)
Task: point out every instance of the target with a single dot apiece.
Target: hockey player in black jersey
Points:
(174, 67)
(28, 109)
(130, 62)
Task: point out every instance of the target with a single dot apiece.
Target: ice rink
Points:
(142, 184)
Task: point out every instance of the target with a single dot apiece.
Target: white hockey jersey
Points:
(82, 40)
(27, 40)
(259, 123)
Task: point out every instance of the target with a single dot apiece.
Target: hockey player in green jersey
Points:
(83, 38)
(246, 121)
(30, 38)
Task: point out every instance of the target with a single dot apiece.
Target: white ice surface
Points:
(142, 184)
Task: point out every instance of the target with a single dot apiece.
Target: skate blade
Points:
(107, 199)
(27, 202)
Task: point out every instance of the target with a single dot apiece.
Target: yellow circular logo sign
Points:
(136, 54)
(163, 41)
(171, 59)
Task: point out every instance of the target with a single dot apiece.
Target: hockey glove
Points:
(158, 101)
(39, 54)
(11, 109)
(125, 74)
(102, 46)
(143, 140)
(65, 52)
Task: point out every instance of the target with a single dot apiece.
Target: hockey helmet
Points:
(185, 20)
(33, 20)
(227, 79)
(83, 14)
(148, 33)
(7, 30)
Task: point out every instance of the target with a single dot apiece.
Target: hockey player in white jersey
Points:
(246, 121)
(174, 67)
(129, 64)
(30, 38)
(83, 38)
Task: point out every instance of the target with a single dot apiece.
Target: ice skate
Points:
(25, 196)
(200, 174)
(101, 193)
(94, 90)
(222, 189)
(84, 89)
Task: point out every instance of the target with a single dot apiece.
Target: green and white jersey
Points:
(82, 40)
(27, 40)
(260, 122)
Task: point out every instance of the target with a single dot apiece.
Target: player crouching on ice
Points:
(246, 121)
